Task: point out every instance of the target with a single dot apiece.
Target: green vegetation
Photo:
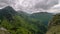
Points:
(44, 17)
(16, 23)
(54, 25)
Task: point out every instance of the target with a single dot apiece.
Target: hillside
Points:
(44, 17)
(22, 23)
(54, 25)
(19, 23)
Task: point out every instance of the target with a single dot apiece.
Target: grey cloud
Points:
(41, 4)
(4, 3)
(46, 4)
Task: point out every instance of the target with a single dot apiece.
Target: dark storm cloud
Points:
(46, 4)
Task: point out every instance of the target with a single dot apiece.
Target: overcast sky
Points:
(52, 6)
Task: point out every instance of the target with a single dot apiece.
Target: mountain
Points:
(20, 23)
(45, 17)
(7, 12)
(8, 9)
(54, 25)
(23, 14)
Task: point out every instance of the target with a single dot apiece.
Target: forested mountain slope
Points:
(21, 23)
(44, 17)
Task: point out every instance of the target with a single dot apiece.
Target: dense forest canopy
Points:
(22, 23)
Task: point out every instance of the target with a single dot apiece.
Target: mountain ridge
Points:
(22, 23)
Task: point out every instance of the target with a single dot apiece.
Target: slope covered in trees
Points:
(19, 23)
(44, 17)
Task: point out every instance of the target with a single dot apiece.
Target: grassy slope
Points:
(54, 25)
(54, 30)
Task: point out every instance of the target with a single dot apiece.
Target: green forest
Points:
(13, 22)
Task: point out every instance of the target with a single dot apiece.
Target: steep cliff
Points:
(54, 25)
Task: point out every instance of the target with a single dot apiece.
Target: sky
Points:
(33, 6)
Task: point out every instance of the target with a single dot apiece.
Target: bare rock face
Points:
(54, 25)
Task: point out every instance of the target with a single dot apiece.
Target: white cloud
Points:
(55, 8)
(31, 5)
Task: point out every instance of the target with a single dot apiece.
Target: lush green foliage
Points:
(17, 23)
(54, 25)
(44, 17)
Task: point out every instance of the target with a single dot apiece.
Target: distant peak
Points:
(8, 7)
(41, 13)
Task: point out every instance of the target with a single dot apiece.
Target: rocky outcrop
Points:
(54, 25)
(3, 31)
